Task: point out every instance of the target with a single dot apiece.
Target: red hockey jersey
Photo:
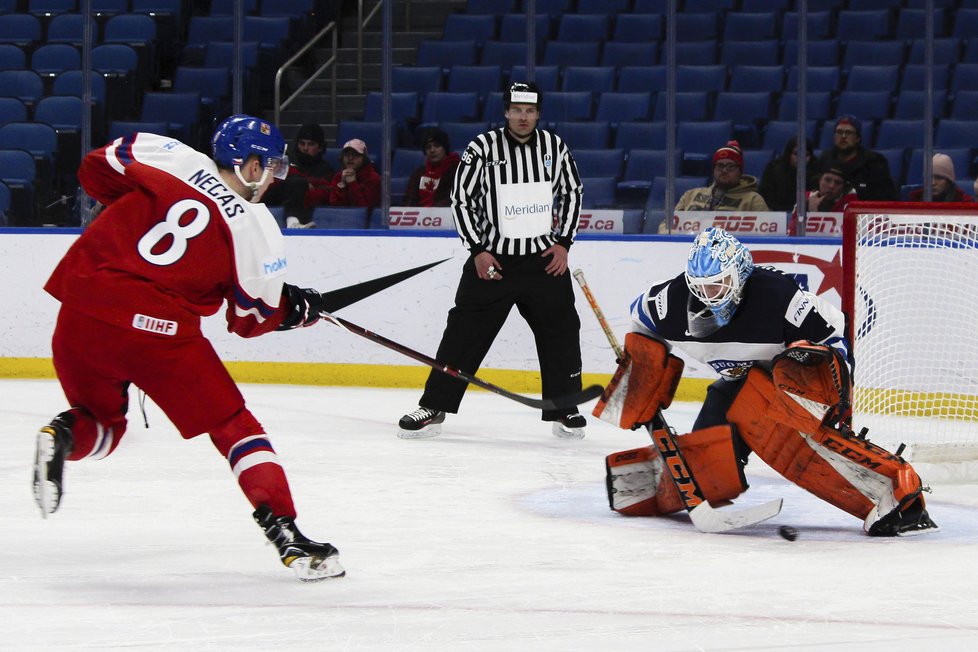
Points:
(172, 244)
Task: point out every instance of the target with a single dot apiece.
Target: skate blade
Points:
(317, 569)
(424, 433)
(562, 432)
(45, 491)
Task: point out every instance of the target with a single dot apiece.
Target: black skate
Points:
(423, 422)
(905, 521)
(570, 426)
(312, 561)
(52, 447)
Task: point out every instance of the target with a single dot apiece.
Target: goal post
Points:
(911, 293)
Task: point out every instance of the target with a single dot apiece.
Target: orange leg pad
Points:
(851, 473)
(639, 485)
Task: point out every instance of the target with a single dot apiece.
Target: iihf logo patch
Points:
(548, 161)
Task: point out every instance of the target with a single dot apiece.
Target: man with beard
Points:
(731, 190)
(867, 171)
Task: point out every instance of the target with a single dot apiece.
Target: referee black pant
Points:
(545, 301)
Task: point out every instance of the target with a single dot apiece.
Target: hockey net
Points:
(911, 273)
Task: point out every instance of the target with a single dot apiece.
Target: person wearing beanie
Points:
(832, 196)
(431, 183)
(867, 171)
(780, 178)
(731, 190)
(358, 183)
(309, 181)
(943, 187)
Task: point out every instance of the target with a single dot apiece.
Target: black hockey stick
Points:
(560, 402)
(343, 297)
(703, 515)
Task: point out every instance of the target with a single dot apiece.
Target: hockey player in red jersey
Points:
(181, 233)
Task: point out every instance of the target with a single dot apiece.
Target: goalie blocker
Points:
(782, 416)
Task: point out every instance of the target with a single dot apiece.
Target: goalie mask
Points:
(242, 136)
(716, 273)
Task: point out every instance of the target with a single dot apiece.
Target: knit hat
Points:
(730, 151)
(943, 166)
(356, 145)
(311, 131)
(437, 135)
(852, 121)
(837, 171)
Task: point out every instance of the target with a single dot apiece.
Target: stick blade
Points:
(572, 400)
(708, 519)
(341, 298)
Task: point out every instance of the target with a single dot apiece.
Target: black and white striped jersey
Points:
(773, 313)
(506, 192)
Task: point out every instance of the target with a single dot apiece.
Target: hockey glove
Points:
(302, 306)
(816, 377)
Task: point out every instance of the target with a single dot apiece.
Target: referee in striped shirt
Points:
(516, 203)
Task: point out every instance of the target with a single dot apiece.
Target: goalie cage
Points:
(909, 286)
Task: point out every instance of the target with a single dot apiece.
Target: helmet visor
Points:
(277, 166)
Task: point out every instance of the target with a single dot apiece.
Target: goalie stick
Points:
(704, 516)
(585, 395)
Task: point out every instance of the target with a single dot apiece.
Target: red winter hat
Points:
(730, 151)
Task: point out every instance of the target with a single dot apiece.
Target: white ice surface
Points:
(495, 536)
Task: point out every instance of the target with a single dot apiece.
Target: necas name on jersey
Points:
(214, 187)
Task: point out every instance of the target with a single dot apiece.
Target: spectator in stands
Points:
(942, 187)
(431, 183)
(779, 182)
(309, 182)
(358, 183)
(867, 171)
(833, 195)
(731, 190)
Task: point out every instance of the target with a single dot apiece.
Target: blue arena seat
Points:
(624, 107)
(641, 135)
(22, 30)
(26, 85)
(512, 27)
(547, 78)
(818, 53)
(694, 53)
(818, 25)
(481, 80)
(624, 53)
(952, 132)
(37, 139)
(697, 27)
(636, 79)
(965, 105)
(584, 28)
(470, 27)
(504, 54)
(571, 53)
(599, 192)
(370, 132)
(751, 78)
(873, 105)
(340, 217)
(416, 79)
(896, 159)
(638, 28)
(873, 78)
(893, 134)
(914, 77)
(818, 105)
(910, 104)
(445, 54)
(735, 53)
(404, 160)
(12, 57)
(701, 78)
(817, 79)
(749, 26)
(946, 50)
(584, 135)
(567, 107)
(863, 25)
(965, 23)
(444, 106)
(641, 166)
(877, 53)
(181, 112)
(594, 79)
(19, 173)
(67, 28)
(460, 134)
(52, 58)
(911, 23)
(777, 133)
(600, 162)
(403, 107)
(690, 105)
(12, 110)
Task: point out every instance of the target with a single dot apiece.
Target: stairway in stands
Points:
(413, 21)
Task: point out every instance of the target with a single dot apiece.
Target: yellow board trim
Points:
(356, 375)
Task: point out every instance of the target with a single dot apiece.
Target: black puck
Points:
(788, 532)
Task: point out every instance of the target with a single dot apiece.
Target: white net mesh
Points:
(915, 338)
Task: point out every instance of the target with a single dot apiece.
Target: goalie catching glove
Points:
(645, 381)
(303, 307)
(816, 379)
